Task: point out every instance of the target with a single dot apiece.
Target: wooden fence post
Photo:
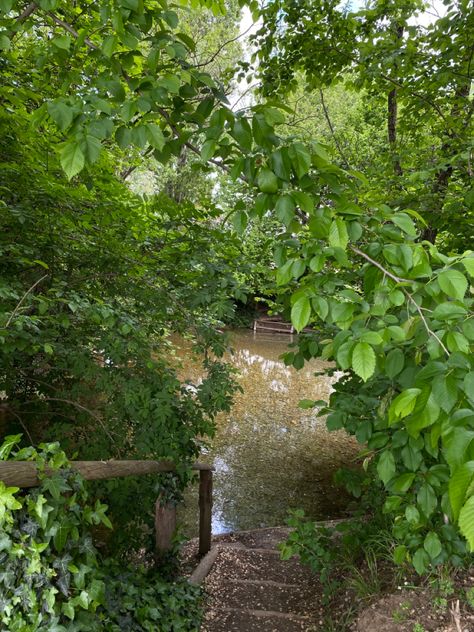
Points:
(205, 511)
(165, 527)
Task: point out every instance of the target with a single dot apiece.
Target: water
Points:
(270, 455)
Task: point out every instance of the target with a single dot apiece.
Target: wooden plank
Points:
(165, 527)
(24, 474)
(205, 511)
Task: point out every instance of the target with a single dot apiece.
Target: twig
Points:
(407, 294)
(333, 133)
(31, 8)
(81, 407)
(378, 265)
(234, 39)
(67, 27)
(14, 312)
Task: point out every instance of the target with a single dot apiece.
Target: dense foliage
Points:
(358, 256)
(53, 578)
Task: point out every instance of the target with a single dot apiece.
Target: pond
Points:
(270, 455)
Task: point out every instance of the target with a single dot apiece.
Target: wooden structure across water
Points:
(276, 325)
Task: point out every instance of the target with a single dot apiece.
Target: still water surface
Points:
(270, 455)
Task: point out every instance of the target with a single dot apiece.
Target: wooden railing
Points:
(24, 474)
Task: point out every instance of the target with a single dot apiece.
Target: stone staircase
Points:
(251, 590)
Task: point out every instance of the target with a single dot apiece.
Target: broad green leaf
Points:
(155, 136)
(412, 514)
(403, 404)
(301, 313)
(432, 545)
(400, 554)
(109, 45)
(61, 114)
(404, 222)
(242, 133)
(458, 485)
(285, 209)
(403, 482)
(8, 444)
(426, 499)
(386, 466)
(63, 42)
(421, 561)
(445, 391)
(455, 445)
(91, 148)
(468, 385)
(468, 263)
(449, 311)
(338, 236)
(208, 150)
(267, 181)
(300, 159)
(394, 362)
(453, 283)
(466, 521)
(363, 360)
(72, 159)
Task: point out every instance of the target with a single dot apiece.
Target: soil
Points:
(250, 589)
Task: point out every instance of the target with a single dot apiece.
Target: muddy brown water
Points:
(269, 454)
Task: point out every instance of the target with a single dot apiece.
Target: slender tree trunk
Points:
(392, 118)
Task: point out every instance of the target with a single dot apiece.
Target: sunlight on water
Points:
(270, 455)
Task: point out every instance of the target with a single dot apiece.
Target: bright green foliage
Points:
(53, 578)
(93, 282)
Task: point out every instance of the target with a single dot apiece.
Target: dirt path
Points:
(250, 589)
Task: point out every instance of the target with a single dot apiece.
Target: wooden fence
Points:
(24, 474)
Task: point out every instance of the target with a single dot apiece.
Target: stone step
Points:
(240, 620)
(264, 595)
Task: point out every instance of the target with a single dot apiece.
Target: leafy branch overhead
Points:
(360, 259)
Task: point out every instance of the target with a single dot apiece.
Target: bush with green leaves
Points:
(52, 576)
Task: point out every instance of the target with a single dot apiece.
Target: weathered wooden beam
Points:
(165, 527)
(205, 511)
(24, 473)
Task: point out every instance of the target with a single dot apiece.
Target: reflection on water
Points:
(270, 455)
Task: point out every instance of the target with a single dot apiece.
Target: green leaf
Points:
(109, 45)
(285, 209)
(338, 236)
(426, 499)
(403, 404)
(208, 150)
(63, 42)
(404, 222)
(155, 136)
(394, 362)
(400, 554)
(5, 42)
(453, 283)
(267, 181)
(91, 148)
(403, 482)
(363, 360)
(468, 385)
(466, 521)
(449, 311)
(301, 313)
(458, 485)
(455, 446)
(72, 159)
(432, 545)
(468, 263)
(421, 561)
(242, 133)
(8, 444)
(386, 466)
(61, 114)
(300, 159)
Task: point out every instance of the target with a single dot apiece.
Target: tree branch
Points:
(15, 311)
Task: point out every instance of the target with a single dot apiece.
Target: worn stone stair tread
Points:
(238, 620)
(284, 599)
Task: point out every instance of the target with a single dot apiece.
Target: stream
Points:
(269, 455)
